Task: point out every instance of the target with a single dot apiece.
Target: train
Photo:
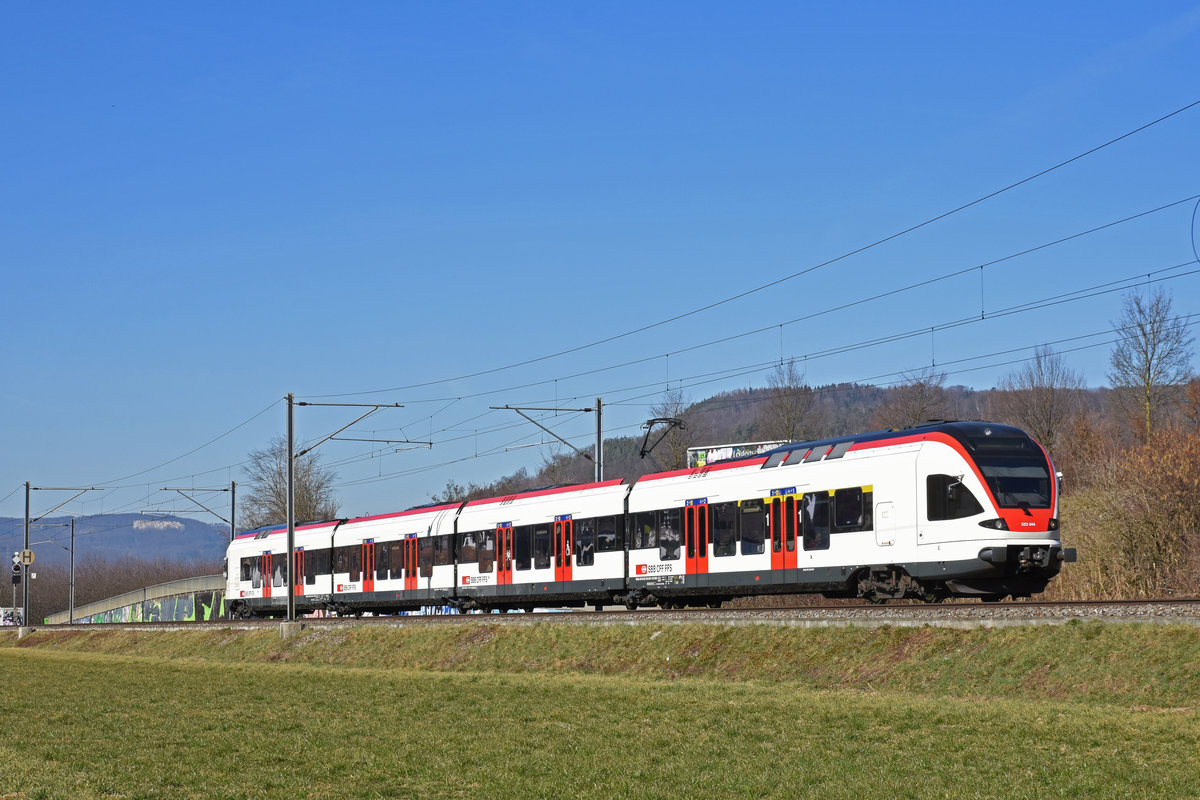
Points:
(940, 510)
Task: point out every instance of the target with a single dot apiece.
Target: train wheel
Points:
(934, 595)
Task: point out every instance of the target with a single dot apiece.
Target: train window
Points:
(789, 521)
(724, 528)
(775, 459)
(752, 528)
(1015, 469)
(278, 569)
(850, 512)
(256, 575)
(383, 561)
(814, 520)
(609, 534)
(670, 534)
(947, 498)
(643, 531)
(487, 550)
(246, 567)
(541, 547)
(425, 557)
(316, 562)
(341, 559)
(797, 456)
(310, 567)
(355, 557)
(585, 542)
(840, 449)
(443, 550)
(1017, 482)
(775, 526)
(523, 547)
(466, 551)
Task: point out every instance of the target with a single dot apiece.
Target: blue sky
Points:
(204, 208)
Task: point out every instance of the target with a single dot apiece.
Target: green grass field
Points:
(549, 712)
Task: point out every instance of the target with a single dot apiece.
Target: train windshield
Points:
(1015, 470)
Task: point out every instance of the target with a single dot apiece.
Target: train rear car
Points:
(256, 580)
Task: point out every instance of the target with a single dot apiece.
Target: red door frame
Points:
(409, 560)
(504, 555)
(783, 532)
(564, 535)
(695, 537)
(298, 571)
(368, 565)
(268, 571)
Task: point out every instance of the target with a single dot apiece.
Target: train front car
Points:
(990, 511)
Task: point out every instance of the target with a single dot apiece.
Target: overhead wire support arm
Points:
(522, 411)
(373, 407)
(197, 502)
(79, 493)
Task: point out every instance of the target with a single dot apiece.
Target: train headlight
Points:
(1053, 524)
(997, 524)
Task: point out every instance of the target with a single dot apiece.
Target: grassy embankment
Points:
(554, 711)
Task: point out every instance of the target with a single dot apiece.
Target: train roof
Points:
(545, 491)
(965, 432)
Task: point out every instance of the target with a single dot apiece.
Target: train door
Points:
(298, 571)
(783, 532)
(885, 525)
(504, 555)
(695, 537)
(563, 536)
(267, 575)
(410, 563)
(368, 565)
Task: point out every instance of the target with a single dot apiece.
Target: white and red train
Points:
(940, 510)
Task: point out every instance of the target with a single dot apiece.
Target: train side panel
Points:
(560, 546)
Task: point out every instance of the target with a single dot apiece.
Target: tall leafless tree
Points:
(266, 503)
(790, 412)
(1042, 397)
(920, 397)
(671, 453)
(1151, 360)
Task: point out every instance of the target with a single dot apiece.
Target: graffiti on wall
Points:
(198, 606)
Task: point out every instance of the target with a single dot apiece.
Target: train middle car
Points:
(950, 509)
(563, 546)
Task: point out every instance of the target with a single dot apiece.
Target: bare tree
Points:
(266, 504)
(672, 451)
(790, 414)
(1151, 359)
(1041, 397)
(920, 397)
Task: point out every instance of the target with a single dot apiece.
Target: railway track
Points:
(953, 615)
